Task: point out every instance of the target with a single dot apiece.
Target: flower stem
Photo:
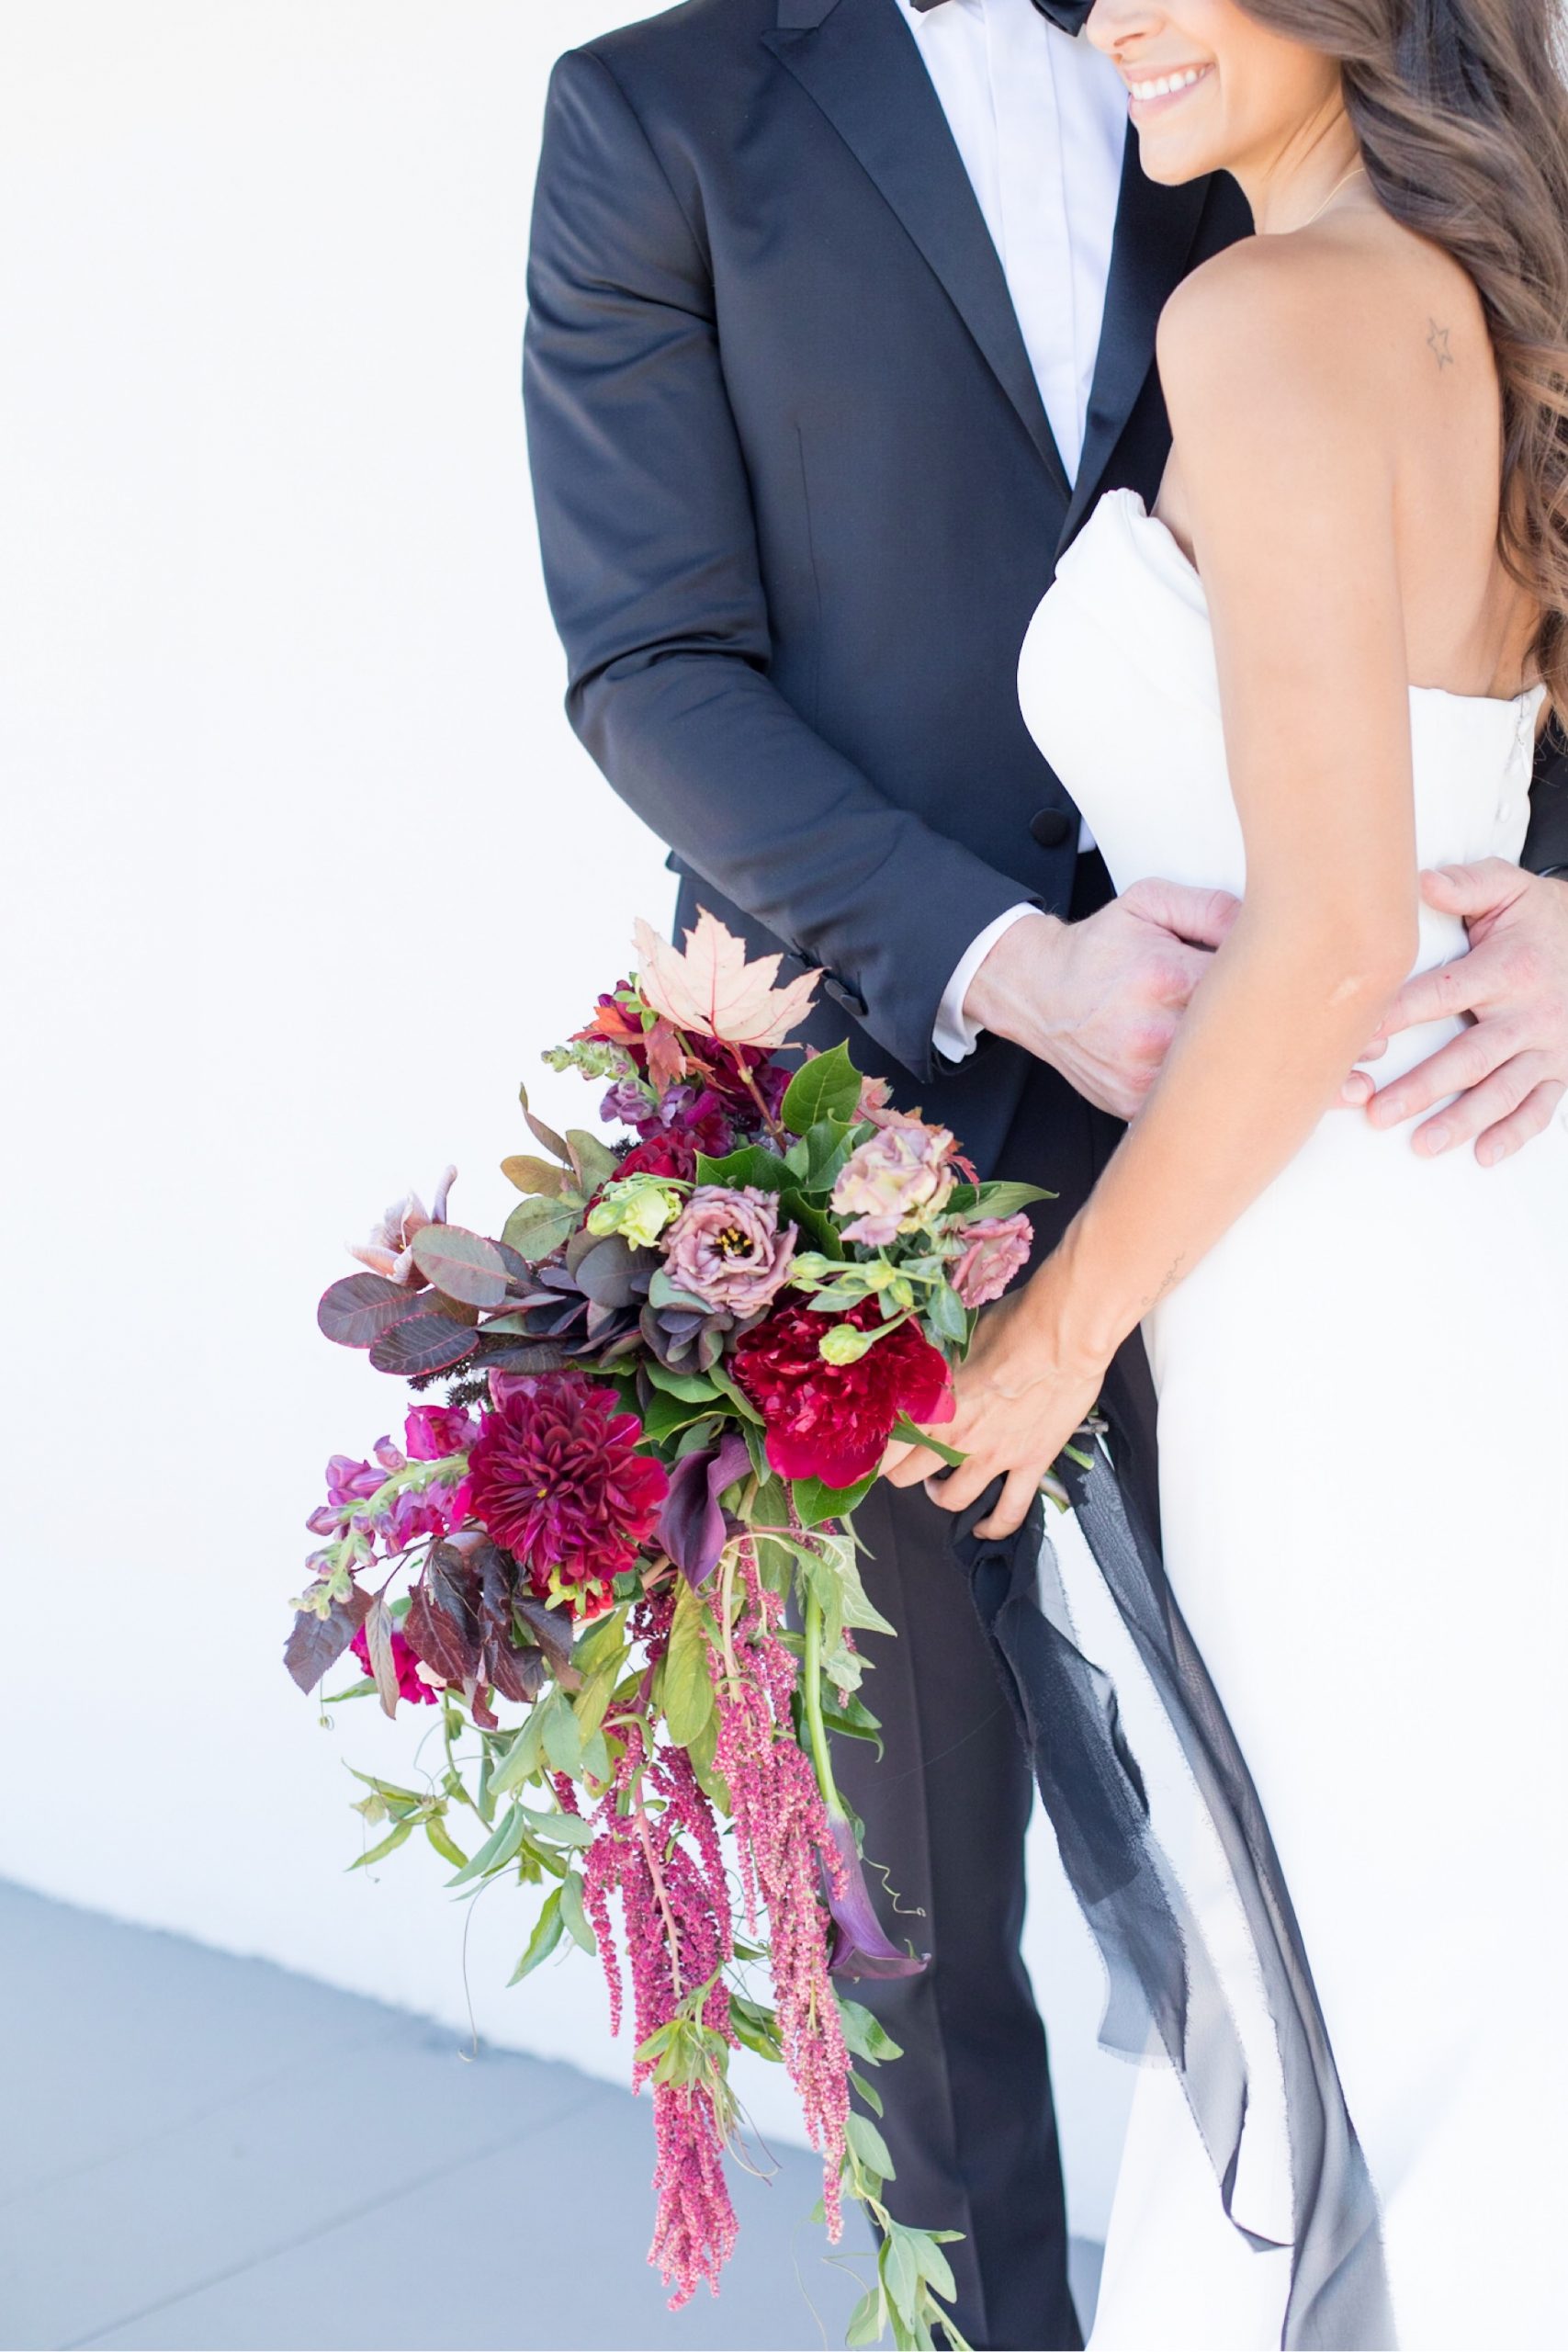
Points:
(811, 1698)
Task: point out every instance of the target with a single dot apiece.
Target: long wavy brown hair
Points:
(1462, 110)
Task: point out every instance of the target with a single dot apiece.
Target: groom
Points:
(842, 316)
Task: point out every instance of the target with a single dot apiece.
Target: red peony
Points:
(832, 1420)
(554, 1476)
(666, 1155)
(412, 1684)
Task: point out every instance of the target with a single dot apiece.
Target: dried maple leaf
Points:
(711, 991)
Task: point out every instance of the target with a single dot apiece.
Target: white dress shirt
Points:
(1040, 121)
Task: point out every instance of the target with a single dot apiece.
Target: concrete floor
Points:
(208, 2153)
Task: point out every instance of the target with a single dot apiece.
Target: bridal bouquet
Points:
(644, 1414)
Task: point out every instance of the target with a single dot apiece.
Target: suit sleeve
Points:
(652, 570)
(1546, 844)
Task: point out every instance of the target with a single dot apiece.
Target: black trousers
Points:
(969, 2119)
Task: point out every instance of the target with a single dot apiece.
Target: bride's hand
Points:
(1021, 1394)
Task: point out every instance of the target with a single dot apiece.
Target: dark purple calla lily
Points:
(691, 1525)
(860, 1948)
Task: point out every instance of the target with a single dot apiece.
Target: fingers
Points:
(1445, 993)
(959, 1488)
(1202, 917)
(906, 1466)
(1471, 891)
(1356, 1092)
(1467, 1061)
(1013, 1509)
(1534, 1114)
(1484, 1106)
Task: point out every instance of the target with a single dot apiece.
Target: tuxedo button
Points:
(1051, 828)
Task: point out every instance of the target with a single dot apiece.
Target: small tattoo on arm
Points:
(1177, 1268)
(1437, 344)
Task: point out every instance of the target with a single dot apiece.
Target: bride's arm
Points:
(1286, 470)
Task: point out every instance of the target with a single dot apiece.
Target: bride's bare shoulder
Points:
(1339, 327)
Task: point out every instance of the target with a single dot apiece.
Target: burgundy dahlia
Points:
(832, 1420)
(555, 1477)
(412, 1684)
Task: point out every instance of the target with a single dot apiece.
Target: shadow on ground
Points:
(213, 2153)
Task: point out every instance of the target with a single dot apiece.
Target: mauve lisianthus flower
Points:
(996, 1248)
(832, 1421)
(555, 1477)
(898, 1180)
(412, 1684)
(727, 1250)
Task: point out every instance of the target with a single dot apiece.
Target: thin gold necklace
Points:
(1333, 192)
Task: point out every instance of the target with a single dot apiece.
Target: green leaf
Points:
(864, 2034)
(591, 1158)
(546, 1934)
(499, 1849)
(815, 1225)
(900, 2274)
(573, 1916)
(688, 1687)
(866, 2321)
(444, 1844)
(868, 2091)
(533, 1176)
(740, 1403)
(816, 1159)
(602, 1643)
(816, 1502)
(869, 2146)
(563, 1741)
(593, 1698)
(827, 1086)
(561, 1828)
(537, 1227)
(462, 1265)
(388, 1845)
(947, 1315)
(524, 1756)
(933, 2265)
(692, 1387)
(668, 1415)
(596, 1764)
(1005, 1199)
(751, 1165)
(906, 1430)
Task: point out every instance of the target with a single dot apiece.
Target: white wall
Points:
(303, 868)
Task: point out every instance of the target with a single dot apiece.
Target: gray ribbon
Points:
(1160, 1970)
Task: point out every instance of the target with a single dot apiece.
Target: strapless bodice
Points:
(1118, 685)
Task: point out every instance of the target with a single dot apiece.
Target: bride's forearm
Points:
(1260, 1058)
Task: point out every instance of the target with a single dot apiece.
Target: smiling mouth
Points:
(1161, 88)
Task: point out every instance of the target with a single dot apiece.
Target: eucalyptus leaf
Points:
(542, 1134)
(533, 1176)
(462, 1265)
(592, 1158)
(537, 1227)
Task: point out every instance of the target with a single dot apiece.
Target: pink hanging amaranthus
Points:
(786, 1846)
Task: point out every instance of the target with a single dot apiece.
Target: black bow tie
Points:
(1069, 14)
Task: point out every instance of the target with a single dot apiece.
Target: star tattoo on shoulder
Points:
(1437, 344)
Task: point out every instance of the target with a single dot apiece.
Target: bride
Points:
(1317, 667)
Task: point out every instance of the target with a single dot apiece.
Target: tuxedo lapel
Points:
(1155, 229)
(863, 70)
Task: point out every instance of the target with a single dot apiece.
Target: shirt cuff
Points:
(955, 1036)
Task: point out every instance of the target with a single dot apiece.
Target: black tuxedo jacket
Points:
(799, 498)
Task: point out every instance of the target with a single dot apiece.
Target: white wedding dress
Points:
(1363, 1420)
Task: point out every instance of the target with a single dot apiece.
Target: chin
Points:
(1171, 163)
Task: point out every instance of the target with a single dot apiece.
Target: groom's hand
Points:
(1100, 1000)
(1509, 1067)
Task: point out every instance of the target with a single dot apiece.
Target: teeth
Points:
(1166, 83)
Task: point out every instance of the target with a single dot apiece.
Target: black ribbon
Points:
(1071, 15)
(1160, 1967)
